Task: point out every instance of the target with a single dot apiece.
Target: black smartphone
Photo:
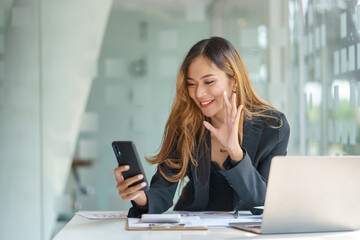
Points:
(126, 154)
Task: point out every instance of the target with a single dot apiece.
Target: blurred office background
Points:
(76, 75)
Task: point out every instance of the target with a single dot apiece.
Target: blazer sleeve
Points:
(250, 182)
(160, 196)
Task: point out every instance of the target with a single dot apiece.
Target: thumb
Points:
(209, 127)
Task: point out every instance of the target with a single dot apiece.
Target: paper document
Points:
(193, 222)
(160, 218)
(222, 219)
(225, 222)
(98, 215)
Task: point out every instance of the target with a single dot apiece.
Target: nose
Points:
(200, 91)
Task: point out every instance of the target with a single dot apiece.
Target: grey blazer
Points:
(248, 178)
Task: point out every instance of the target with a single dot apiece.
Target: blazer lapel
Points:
(251, 138)
(201, 173)
(201, 177)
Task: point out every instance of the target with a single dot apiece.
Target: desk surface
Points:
(83, 229)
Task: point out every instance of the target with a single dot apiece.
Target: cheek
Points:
(218, 94)
(220, 101)
(191, 93)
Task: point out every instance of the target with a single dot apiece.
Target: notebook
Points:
(310, 194)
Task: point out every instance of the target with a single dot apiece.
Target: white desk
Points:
(80, 228)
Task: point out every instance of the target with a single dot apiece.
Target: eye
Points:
(209, 82)
(190, 84)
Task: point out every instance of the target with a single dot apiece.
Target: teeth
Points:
(204, 103)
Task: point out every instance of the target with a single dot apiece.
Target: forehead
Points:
(201, 65)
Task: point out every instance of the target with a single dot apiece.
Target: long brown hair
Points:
(186, 119)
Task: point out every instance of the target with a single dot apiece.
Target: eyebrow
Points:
(205, 76)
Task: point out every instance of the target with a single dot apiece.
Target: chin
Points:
(207, 114)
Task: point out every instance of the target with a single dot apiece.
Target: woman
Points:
(219, 134)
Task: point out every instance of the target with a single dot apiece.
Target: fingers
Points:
(130, 193)
(230, 108)
(118, 172)
(233, 105)
(210, 127)
(238, 114)
(131, 196)
(227, 106)
(122, 186)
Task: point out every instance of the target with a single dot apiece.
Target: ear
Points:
(234, 82)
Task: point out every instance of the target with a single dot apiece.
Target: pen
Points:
(236, 214)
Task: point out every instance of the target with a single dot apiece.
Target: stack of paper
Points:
(98, 215)
(222, 219)
(186, 223)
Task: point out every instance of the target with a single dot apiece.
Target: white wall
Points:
(20, 165)
(72, 34)
(49, 56)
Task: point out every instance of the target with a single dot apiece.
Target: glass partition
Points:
(131, 96)
(331, 64)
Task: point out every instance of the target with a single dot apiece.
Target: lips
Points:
(205, 104)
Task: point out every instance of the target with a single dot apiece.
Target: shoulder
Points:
(271, 120)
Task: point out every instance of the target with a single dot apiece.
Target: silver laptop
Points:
(310, 194)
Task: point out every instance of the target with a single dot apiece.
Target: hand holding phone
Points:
(130, 176)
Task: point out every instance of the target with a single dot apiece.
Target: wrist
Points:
(141, 200)
(237, 154)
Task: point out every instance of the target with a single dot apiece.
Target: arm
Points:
(249, 182)
(159, 196)
(248, 177)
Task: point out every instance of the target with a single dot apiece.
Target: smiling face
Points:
(206, 85)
